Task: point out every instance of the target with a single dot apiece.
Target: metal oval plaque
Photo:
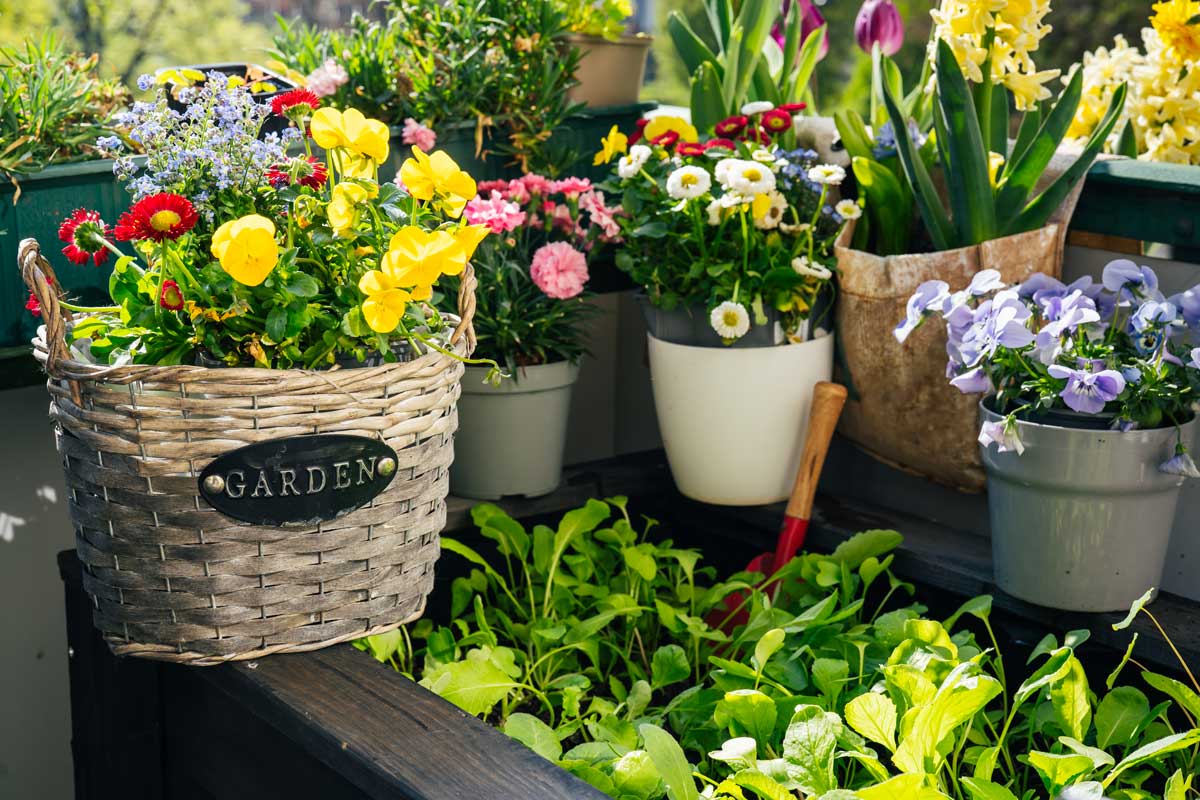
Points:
(299, 479)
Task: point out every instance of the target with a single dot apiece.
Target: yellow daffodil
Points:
(995, 163)
(385, 301)
(417, 257)
(666, 123)
(247, 248)
(616, 142)
(344, 209)
(430, 177)
(352, 131)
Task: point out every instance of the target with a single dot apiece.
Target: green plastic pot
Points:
(46, 199)
(511, 437)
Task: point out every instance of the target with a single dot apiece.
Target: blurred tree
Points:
(135, 36)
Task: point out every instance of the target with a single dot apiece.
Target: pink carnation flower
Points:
(517, 191)
(559, 270)
(537, 184)
(326, 78)
(500, 215)
(571, 187)
(602, 216)
(420, 135)
(487, 187)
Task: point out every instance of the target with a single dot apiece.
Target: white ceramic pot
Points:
(733, 421)
(511, 437)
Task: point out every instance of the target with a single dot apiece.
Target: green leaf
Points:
(979, 607)
(853, 132)
(692, 50)
(383, 645)
(1098, 757)
(874, 716)
(1059, 770)
(985, 764)
(669, 665)
(767, 646)
(640, 559)
(889, 205)
(458, 548)
(809, 746)
(670, 762)
(303, 285)
(861, 546)
(986, 790)
(927, 199)
(748, 712)
(534, 734)
(806, 62)
(474, 684)
(1119, 715)
(1127, 141)
(634, 775)
(276, 327)
(1181, 694)
(754, 20)
(1153, 750)
(1053, 670)
(967, 180)
(770, 789)
(495, 524)
(901, 787)
(707, 108)
(829, 674)
(1112, 676)
(1177, 786)
(1069, 699)
(964, 693)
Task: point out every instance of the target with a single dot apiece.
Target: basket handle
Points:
(466, 308)
(40, 278)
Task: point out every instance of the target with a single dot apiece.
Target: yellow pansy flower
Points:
(247, 248)
(437, 176)
(385, 301)
(469, 238)
(350, 130)
(417, 257)
(615, 142)
(666, 123)
(343, 210)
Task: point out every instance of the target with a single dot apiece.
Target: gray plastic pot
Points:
(511, 437)
(1081, 520)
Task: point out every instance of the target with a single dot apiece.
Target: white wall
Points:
(35, 729)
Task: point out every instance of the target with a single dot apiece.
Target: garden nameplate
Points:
(299, 479)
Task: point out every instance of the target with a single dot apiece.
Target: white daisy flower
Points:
(757, 107)
(750, 178)
(811, 268)
(688, 183)
(730, 320)
(827, 174)
(715, 212)
(632, 162)
(734, 199)
(763, 156)
(789, 228)
(848, 209)
(773, 214)
(724, 167)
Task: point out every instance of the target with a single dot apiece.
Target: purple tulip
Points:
(810, 20)
(1003, 434)
(1088, 392)
(878, 23)
(929, 296)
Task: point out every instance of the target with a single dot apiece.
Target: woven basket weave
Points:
(173, 579)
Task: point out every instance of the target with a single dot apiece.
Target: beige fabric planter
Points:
(906, 414)
(610, 73)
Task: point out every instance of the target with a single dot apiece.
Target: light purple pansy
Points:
(1000, 324)
(1153, 315)
(1003, 435)
(1129, 280)
(1088, 392)
(1132, 375)
(1188, 304)
(1040, 282)
(973, 381)
(929, 296)
(1194, 363)
(1180, 464)
(1050, 338)
(984, 282)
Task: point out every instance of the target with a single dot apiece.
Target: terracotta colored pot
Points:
(610, 73)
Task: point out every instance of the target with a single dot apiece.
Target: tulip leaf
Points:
(806, 62)
(854, 134)
(707, 108)
(967, 178)
(691, 48)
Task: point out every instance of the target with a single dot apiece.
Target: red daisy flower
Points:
(667, 139)
(84, 234)
(170, 298)
(777, 120)
(157, 217)
(731, 126)
(638, 126)
(727, 144)
(33, 306)
(285, 102)
(756, 135)
(689, 149)
(792, 108)
(306, 171)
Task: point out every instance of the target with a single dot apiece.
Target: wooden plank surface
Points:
(386, 734)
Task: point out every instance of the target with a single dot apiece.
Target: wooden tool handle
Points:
(827, 402)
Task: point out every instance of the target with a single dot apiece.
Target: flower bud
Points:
(879, 23)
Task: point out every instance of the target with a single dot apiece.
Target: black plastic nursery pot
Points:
(44, 200)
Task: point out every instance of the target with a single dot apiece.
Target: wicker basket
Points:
(175, 580)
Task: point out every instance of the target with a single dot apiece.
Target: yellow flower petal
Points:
(246, 249)
(615, 142)
(326, 128)
(663, 124)
(469, 238)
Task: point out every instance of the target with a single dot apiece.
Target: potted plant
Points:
(1086, 424)
(731, 241)
(211, 428)
(53, 109)
(529, 317)
(612, 63)
(980, 201)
